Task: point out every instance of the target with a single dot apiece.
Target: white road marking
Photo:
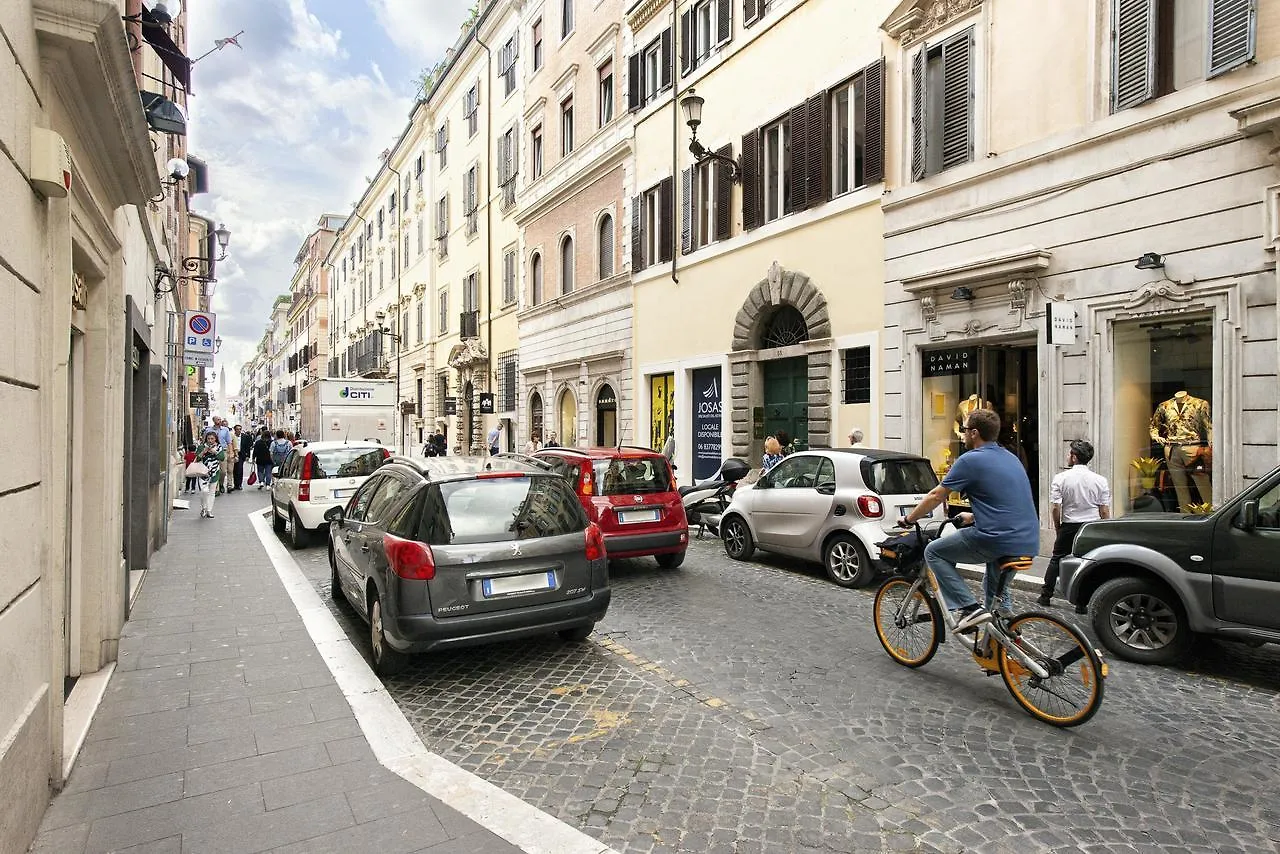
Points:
(393, 739)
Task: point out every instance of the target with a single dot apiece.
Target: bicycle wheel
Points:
(907, 623)
(1072, 692)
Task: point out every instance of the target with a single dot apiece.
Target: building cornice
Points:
(644, 12)
(559, 187)
(595, 289)
(602, 48)
(1024, 262)
(913, 20)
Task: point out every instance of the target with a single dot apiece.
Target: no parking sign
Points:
(201, 332)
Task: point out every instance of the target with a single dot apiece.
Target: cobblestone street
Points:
(740, 707)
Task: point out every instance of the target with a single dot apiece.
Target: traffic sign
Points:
(199, 400)
(198, 360)
(201, 332)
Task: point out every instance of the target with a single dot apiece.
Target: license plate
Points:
(904, 510)
(342, 493)
(518, 584)
(629, 516)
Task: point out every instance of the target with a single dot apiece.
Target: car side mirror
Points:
(826, 489)
(1248, 518)
(334, 514)
(275, 472)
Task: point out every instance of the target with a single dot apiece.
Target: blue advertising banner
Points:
(706, 422)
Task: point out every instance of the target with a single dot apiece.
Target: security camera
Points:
(177, 168)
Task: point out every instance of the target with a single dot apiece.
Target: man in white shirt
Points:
(1078, 495)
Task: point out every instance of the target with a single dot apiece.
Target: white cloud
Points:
(289, 132)
(425, 29)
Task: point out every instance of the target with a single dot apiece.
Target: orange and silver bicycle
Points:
(1048, 665)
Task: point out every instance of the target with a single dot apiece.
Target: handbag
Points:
(253, 478)
(197, 469)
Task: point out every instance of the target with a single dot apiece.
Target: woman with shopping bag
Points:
(211, 457)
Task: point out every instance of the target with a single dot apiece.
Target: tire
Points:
(1072, 694)
(335, 585)
(298, 536)
(277, 524)
(914, 638)
(1140, 620)
(670, 561)
(386, 661)
(737, 538)
(846, 561)
(577, 635)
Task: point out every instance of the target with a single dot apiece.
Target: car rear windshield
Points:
(346, 462)
(900, 477)
(500, 509)
(628, 476)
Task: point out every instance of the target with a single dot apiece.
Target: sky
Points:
(291, 125)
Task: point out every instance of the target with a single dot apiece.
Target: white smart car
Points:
(315, 477)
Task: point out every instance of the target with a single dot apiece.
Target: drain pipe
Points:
(490, 370)
(675, 135)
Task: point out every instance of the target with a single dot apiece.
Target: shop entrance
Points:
(1000, 378)
(786, 398)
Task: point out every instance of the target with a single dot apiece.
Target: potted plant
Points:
(1146, 468)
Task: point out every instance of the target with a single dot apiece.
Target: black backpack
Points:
(903, 551)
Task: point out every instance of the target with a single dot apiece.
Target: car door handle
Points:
(364, 548)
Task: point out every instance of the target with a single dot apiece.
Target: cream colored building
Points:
(757, 296)
(575, 323)
(1075, 261)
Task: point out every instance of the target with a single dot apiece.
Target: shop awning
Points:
(172, 57)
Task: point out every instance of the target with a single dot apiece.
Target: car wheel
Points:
(737, 538)
(577, 635)
(1140, 620)
(670, 561)
(277, 523)
(297, 534)
(386, 660)
(847, 562)
(335, 585)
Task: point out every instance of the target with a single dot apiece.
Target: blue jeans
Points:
(264, 474)
(943, 554)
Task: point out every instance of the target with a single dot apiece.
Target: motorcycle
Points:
(705, 502)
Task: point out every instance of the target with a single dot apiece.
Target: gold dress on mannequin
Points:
(1184, 429)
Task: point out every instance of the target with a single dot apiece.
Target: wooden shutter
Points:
(872, 121)
(797, 154)
(724, 197)
(606, 246)
(957, 99)
(637, 233)
(919, 160)
(633, 82)
(1233, 33)
(666, 204)
(1133, 52)
(686, 211)
(666, 59)
(818, 156)
(686, 40)
(750, 12)
(724, 21)
(751, 180)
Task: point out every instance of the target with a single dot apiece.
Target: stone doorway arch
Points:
(784, 316)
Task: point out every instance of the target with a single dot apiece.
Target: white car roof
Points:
(328, 446)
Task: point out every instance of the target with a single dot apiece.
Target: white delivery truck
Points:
(355, 409)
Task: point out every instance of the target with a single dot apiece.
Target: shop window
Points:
(1163, 427)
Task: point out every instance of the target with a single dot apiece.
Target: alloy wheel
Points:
(1143, 621)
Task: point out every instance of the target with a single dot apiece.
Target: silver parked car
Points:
(828, 505)
(455, 551)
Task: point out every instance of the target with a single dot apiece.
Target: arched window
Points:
(606, 246)
(566, 265)
(535, 279)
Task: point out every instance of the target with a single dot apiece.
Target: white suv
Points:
(315, 477)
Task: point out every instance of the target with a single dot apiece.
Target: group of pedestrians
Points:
(207, 472)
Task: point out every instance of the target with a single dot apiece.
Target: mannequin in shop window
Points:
(963, 410)
(1181, 425)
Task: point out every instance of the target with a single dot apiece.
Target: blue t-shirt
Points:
(996, 484)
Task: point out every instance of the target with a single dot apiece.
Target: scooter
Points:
(705, 502)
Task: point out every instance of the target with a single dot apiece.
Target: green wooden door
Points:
(786, 398)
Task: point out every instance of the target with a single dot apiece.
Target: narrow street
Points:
(739, 707)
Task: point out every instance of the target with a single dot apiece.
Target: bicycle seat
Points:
(1015, 563)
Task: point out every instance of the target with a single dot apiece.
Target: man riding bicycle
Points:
(1003, 522)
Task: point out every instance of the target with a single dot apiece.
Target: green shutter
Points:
(957, 99)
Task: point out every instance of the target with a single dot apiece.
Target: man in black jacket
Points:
(242, 447)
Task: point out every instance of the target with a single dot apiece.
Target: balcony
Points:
(469, 324)
(372, 365)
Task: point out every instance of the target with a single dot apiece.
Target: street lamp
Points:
(217, 344)
(196, 266)
(380, 318)
(692, 103)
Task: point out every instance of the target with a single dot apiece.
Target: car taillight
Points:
(304, 487)
(409, 558)
(870, 506)
(386, 455)
(595, 542)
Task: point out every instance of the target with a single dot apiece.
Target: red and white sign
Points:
(201, 332)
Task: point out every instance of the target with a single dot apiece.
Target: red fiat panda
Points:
(631, 495)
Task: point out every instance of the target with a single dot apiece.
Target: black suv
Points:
(1152, 581)
(456, 551)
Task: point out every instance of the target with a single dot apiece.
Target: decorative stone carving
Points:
(1161, 289)
(928, 309)
(780, 287)
(1017, 295)
(469, 352)
(79, 292)
(914, 20)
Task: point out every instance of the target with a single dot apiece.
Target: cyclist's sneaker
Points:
(970, 617)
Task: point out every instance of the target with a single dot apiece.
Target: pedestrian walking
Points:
(212, 455)
(534, 444)
(262, 457)
(187, 459)
(242, 447)
(224, 439)
(1077, 495)
(440, 443)
(280, 448)
(551, 441)
(772, 453)
(495, 433)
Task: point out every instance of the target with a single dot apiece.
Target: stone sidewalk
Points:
(223, 730)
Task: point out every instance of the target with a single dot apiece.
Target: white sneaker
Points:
(968, 620)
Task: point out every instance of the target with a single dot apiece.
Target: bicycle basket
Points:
(903, 551)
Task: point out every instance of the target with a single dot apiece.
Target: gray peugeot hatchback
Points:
(455, 551)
